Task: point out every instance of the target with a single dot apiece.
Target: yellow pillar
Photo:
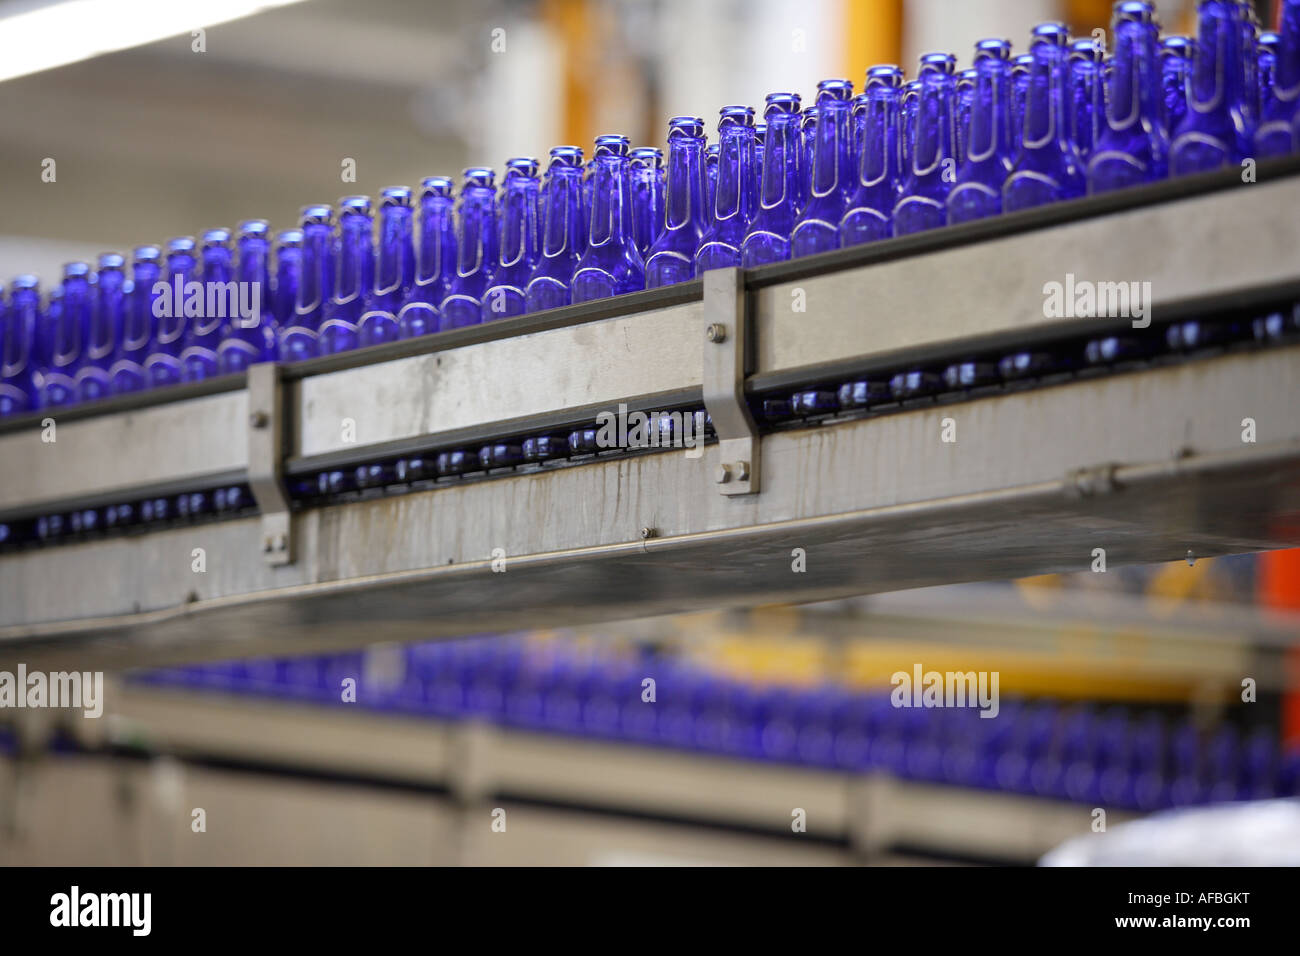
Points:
(873, 34)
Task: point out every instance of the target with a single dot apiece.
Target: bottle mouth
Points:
(254, 229)
(395, 196)
(289, 237)
(938, 64)
(838, 90)
(571, 156)
(1051, 34)
(27, 281)
(317, 214)
(1135, 11)
(685, 126)
(781, 103)
(648, 157)
(180, 244)
(146, 254)
(994, 48)
(440, 186)
(76, 270)
(522, 166)
(354, 206)
(216, 237)
(111, 260)
(480, 177)
(612, 144)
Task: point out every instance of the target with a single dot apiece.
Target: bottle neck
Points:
(1218, 74)
(1133, 80)
(478, 230)
(254, 265)
(611, 201)
(356, 258)
(990, 120)
(519, 221)
(1045, 98)
(396, 267)
(563, 211)
(781, 160)
(830, 147)
(686, 190)
(437, 238)
(935, 125)
(880, 157)
(316, 269)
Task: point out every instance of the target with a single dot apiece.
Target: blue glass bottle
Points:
(711, 181)
(354, 276)
(562, 232)
(808, 141)
(288, 277)
(857, 127)
(251, 338)
(647, 165)
(933, 169)
(818, 227)
(436, 259)
(67, 327)
(672, 256)
(203, 333)
(1270, 44)
(476, 241)
(1048, 168)
(1249, 62)
(1132, 148)
(1279, 130)
(20, 355)
(977, 194)
(965, 101)
(520, 240)
(611, 265)
(768, 239)
(736, 199)
(394, 268)
(1087, 94)
(300, 339)
(1216, 132)
(1022, 68)
(104, 329)
(163, 366)
(870, 215)
(1176, 56)
(760, 142)
(139, 323)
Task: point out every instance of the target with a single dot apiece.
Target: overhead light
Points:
(70, 30)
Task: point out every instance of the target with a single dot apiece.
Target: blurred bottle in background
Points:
(139, 323)
(870, 215)
(163, 366)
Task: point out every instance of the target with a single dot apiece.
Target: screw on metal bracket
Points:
(649, 532)
(722, 474)
(259, 419)
(716, 332)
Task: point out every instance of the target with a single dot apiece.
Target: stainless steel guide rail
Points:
(1149, 465)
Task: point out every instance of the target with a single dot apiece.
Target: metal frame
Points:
(877, 504)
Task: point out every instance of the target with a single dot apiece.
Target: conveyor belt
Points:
(1144, 459)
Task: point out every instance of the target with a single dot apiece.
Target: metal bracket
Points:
(266, 461)
(725, 343)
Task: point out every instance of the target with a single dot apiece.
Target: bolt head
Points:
(722, 474)
(648, 532)
(259, 419)
(716, 332)
(742, 470)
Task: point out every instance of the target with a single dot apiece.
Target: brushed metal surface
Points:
(878, 504)
(99, 458)
(593, 365)
(1214, 246)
